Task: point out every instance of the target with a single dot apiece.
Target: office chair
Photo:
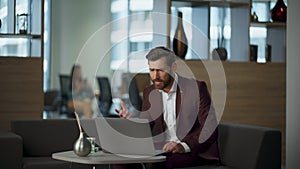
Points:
(52, 101)
(134, 95)
(64, 81)
(105, 96)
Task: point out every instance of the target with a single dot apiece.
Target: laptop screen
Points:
(125, 136)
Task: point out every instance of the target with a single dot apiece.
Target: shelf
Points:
(264, 1)
(214, 3)
(33, 36)
(268, 24)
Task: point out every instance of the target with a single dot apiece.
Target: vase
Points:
(82, 146)
(254, 17)
(219, 53)
(180, 44)
(253, 53)
(279, 11)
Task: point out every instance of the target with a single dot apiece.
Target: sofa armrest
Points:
(270, 151)
(11, 154)
(249, 147)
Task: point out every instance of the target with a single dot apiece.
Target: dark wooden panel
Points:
(6, 118)
(21, 88)
(255, 92)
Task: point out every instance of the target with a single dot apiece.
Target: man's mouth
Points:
(157, 82)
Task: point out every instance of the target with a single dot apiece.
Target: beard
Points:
(162, 84)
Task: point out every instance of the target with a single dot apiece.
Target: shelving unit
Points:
(216, 3)
(240, 25)
(21, 60)
(201, 27)
(275, 32)
(31, 36)
(9, 33)
(268, 24)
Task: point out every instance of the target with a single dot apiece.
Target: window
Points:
(133, 16)
(130, 18)
(13, 46)
(47, 35)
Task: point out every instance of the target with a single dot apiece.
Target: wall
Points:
(77, 24)
(293, 83)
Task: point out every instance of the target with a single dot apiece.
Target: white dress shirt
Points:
(169, 112)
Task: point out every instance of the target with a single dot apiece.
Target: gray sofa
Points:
(30, 143)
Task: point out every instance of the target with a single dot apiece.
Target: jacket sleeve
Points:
(204, 131)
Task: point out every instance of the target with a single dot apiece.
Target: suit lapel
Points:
(178, 101)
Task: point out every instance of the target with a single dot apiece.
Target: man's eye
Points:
(156, 70)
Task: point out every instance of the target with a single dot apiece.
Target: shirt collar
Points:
(174, 86)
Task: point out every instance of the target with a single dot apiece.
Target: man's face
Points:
(160, 74)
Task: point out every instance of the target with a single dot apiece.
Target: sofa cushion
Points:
(44, 137)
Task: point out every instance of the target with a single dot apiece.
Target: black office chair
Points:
(134, 95)
(64, 81)
(52, 101)
(105, 96)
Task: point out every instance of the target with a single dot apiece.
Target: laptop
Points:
(130, 137)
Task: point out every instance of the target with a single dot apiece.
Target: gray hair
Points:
(160, 52)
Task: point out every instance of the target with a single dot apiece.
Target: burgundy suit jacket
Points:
(195, 117)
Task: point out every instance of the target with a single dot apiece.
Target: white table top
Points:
(106, 158)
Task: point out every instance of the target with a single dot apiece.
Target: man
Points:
(180, 112)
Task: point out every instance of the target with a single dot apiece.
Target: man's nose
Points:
(156, 72)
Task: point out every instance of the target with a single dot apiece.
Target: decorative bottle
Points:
(82, 146)
(180, 43)
(278, 13)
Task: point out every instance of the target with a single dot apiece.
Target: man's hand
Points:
(123, 112)
(174, 147)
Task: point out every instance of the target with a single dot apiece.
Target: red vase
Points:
(278, 13)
